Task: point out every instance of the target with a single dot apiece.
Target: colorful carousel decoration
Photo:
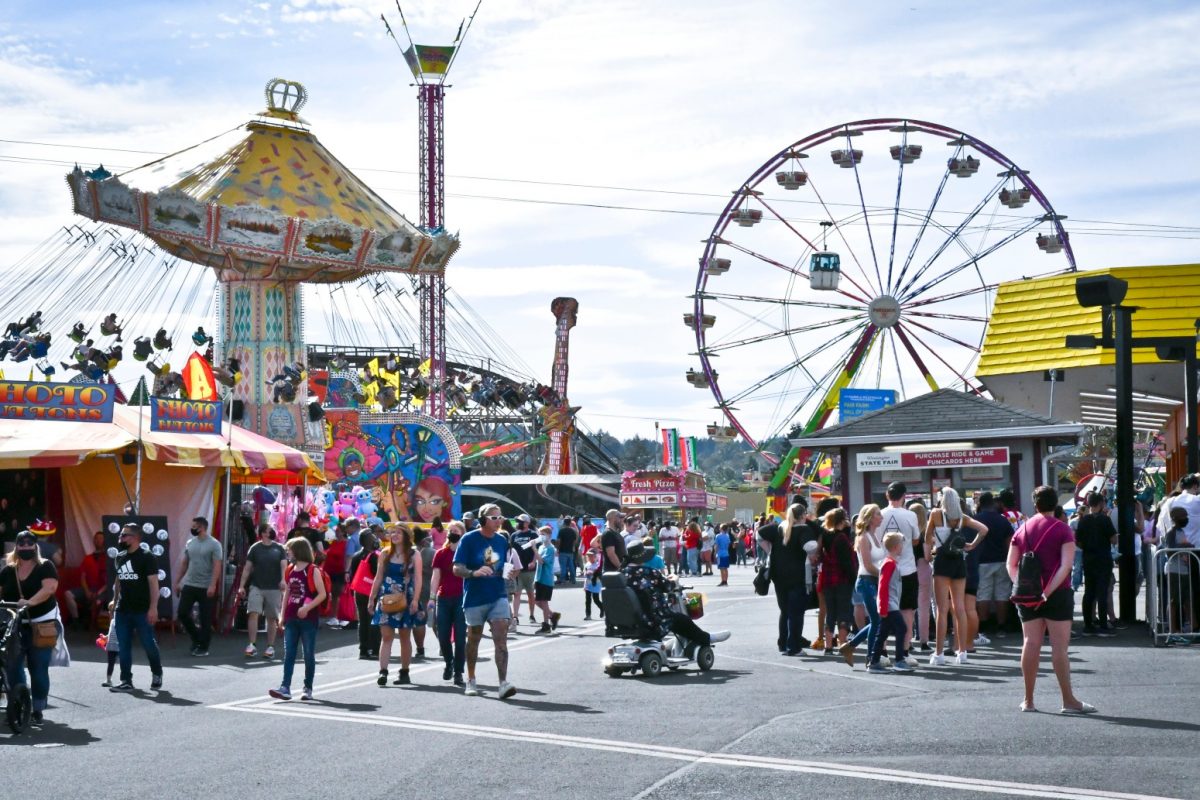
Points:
(268, 208)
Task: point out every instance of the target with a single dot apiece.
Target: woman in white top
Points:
(946, 539)
(868, 543)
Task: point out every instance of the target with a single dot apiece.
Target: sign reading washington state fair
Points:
(65, 402)
(928, 459)
(185, 416)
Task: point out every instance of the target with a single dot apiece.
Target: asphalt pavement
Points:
(758, 725)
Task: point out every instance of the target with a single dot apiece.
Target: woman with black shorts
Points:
(1053, 544)
(948, 537)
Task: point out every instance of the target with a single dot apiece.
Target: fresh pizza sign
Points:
(931, 459)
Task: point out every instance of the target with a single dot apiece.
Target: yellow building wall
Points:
(1031, 318)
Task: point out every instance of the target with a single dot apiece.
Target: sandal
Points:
(1084, 708)
(1028, 707)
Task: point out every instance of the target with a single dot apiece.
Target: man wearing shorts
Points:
(265, 562)
(994, 585)
(479, 561)
(897, 518)
(524, 541)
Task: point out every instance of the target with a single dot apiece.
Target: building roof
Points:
(1031, 318)
(944, 415)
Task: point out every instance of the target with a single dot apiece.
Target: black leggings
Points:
(588, 599)
(1096, 579)
(682, 625)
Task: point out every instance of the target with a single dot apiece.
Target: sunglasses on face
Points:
(494, 516)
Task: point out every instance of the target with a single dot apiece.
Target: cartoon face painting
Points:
(432, 500)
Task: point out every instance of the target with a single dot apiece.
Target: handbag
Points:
(45, 634)
(396, 603)
(762, 579)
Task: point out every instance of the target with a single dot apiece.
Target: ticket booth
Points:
(946, 438)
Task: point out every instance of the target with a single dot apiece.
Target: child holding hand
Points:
(891, 620)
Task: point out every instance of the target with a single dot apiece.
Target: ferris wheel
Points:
(865, 255)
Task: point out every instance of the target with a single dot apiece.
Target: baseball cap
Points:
(468, 515)
(26, 537)
(525, 518)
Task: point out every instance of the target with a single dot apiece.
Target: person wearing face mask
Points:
(136, 606)
(447, 589)
(197, 584)
(31, 581)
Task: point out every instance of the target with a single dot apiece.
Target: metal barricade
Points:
(1170, 595)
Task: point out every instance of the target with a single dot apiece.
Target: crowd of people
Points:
(940, 581)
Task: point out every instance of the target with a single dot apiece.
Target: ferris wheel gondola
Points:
(900, 300)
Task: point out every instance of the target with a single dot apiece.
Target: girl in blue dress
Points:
(399, 572)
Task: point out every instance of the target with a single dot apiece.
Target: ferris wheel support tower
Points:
(430, 64)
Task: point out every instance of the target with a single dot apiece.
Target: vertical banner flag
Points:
(670, 452)
(687, 453)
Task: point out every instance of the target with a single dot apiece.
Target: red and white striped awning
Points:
(41, 444)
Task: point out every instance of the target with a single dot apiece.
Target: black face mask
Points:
(26, 555)
(195, 531)
(123, 547)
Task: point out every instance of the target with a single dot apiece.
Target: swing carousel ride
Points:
(282, 226)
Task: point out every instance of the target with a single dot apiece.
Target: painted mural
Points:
(409, 461)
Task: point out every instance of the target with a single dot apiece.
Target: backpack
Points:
(1027, 590)
(326, 607)
(955, 541)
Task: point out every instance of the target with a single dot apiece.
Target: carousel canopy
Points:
(263, 201)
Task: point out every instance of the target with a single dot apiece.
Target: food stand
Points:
(673, 494)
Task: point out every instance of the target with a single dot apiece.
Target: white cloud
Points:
(1099, 102)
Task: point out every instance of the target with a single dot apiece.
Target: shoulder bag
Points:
(45, 633)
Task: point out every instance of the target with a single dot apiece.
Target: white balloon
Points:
(162, 574)
(114, 528)
(113, 552)
(162, 535)
(145, 547)
(157, 550)
(147, 528)
(165, 592)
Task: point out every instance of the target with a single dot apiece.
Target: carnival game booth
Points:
(92, 469)
(675, 494)
(945, 438)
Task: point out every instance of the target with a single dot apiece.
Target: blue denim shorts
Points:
(476, 616)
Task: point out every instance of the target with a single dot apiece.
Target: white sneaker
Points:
(937, 660)
(269, 652)
(472, 690)
(506, 690)
(251, 651)
(961, 658)
(982, 640)
(333, 623)
(718, 636)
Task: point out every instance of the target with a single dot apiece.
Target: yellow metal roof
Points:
(1030, 318)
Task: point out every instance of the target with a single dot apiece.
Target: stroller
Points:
(19, 700)
(641, 648)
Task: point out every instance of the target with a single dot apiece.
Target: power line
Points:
(1134, 229)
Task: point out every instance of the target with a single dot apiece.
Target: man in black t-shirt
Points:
(524, 542)
(136, 606)
(568, 546)
(315, 538)
(612, 542)
(1095, 537)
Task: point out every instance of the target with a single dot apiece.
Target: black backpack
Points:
(1027, 590)
(955, 541)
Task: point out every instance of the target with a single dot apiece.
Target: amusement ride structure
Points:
(844, 259)
(268, 208)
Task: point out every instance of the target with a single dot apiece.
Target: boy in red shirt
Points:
(892, 621)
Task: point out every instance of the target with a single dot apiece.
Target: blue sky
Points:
(1101, 102)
